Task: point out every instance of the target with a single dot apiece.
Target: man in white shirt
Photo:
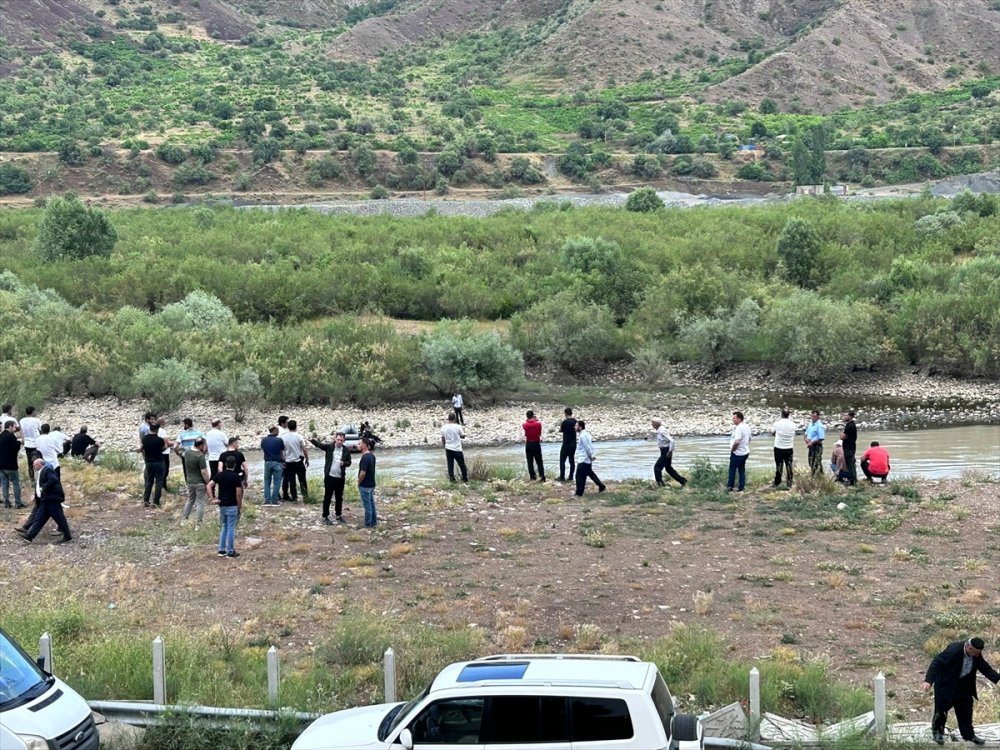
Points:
(49, 446)
(784, 442)
(665, 442)
(217, 442)
(739, 452)
(585, 457)
(7, 415)
(30, 430)
(296, 461)
(456, 404)
(451, 439)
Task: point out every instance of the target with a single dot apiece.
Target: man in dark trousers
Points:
(568, 450)
(533, 446)
(338, 458)
(9, 475)
(953, 675)
(850, 437)
(50, 499)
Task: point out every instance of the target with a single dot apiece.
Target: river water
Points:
(938, 453)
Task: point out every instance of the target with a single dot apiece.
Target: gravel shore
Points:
(699, 404)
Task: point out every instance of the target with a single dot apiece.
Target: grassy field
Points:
(676, 576)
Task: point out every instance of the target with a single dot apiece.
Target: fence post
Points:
(880, 722)
(755, 703)
(390, 676)
(273, 675)
(159, 672)
(45, 652)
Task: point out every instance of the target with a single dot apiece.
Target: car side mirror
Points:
(406, 739)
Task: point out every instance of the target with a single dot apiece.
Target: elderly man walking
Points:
(953, 675)
(50, 498)
(665, 442)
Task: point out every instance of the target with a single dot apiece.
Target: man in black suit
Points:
(953, 675)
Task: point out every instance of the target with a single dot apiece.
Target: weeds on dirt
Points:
(703, 474)
(481, 470)
(185, 733)
(117, 461)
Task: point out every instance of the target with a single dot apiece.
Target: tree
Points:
(167, 383)
(611, 278)
(72, 230)
(458, 357)
(768, 107)
(720, 338)
(564, 331)
(809, 156)
(14, 180)
(798, 248)
(643, 200)
(70, 153)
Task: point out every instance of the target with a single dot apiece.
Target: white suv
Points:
(531, 701)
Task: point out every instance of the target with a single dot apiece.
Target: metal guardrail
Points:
(143, 714)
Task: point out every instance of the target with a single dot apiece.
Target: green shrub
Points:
(806, 331)
(72, 230)
(566, 332)
(14, 180)
(458, 357)
(755, 172)
(166, 383)
(722, 337)
(170, 153)
(643, 200)
(198, 311)
(241, 389)
(193, 174)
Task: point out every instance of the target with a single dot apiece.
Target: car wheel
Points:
(685, 728)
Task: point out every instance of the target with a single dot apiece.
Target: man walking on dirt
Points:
(533, 446)
(665, 442)
(567, 450)
(953, 675)
(49, 491)
(814, 437)
(850, 437)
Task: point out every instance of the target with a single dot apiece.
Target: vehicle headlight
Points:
(33, 742)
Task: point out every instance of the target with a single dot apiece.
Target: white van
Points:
(37, 710)
(521, 702)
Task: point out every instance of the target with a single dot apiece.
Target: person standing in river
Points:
(850, 437)
(451, 440)
(814, 436)
(665, 443)
(533, 446)
(784, 448)
(567, 450)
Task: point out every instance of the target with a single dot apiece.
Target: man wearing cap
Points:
(953, 675)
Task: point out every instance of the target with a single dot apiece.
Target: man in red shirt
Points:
(875, 462)
(533, 446)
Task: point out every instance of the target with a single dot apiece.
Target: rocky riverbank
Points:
(697, 403)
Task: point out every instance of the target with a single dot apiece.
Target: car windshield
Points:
(20, 679)
(397, 714)
(663, 702)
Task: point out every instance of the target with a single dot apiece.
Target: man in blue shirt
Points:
(274, 465)
(815, 434)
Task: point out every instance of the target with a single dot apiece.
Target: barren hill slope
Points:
(876, 50)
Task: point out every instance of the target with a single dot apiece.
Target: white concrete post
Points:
(880, 722)
(45, 652)
(755, 702)
(273, 675)
(159, 672)
(390, 676)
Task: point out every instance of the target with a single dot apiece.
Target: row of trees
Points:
(812, 285)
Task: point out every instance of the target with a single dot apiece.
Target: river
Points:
(933, 453)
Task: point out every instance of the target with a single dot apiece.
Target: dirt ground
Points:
(537, 569)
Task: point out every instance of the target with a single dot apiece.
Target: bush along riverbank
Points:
(679, 576)
(269, 315)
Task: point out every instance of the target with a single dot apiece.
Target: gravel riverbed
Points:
(700, 403)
